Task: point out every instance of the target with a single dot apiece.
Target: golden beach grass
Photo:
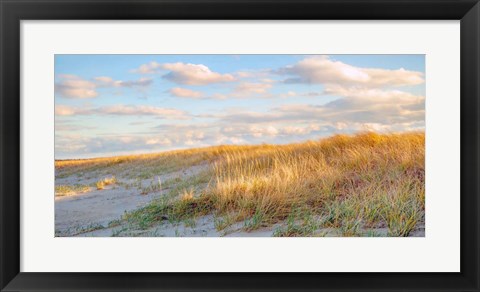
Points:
(351, 184)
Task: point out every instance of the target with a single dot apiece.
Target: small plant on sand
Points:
(350, 227)
(155, 186)
(401, 222)
(105, 182)
(187, 195)
(299, 224)
(254, 222)
(223, 222)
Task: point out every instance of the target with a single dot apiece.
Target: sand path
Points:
(85, 212)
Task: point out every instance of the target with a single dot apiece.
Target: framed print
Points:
(274, 145)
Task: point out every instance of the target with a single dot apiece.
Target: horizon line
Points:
(254, 144)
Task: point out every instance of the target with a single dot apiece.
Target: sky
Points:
(107, 105)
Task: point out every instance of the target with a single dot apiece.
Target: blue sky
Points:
(109, 105)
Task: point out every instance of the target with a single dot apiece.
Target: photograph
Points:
(268, 145)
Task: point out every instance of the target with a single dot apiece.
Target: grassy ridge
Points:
(353, 184)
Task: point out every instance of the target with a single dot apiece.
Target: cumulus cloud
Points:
(158, 141)
(273, 132)
(300, 130)
(257, 131)
(72, 86)
(361, 97)
(186, 93)
(149, 68)
(396, 107)
(354, 107)
(194, 74)
(185, 73)
(323, 70)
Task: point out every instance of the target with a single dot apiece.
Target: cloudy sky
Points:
(108, 105)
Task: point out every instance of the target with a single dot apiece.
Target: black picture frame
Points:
(13, 11)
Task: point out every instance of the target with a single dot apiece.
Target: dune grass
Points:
(353, 184)
(65, 190)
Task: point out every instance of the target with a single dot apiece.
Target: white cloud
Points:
(71, 86)
(354, 106)
(194, 74)
(186, 93)
(259, 131)
(148, 68)
(374, 106)
(63, 110)
(277, 131)
(186, 73)
(300, 130)
(199, 74)
(158, 141)
(323, 70)
(241, 90)
(364, 96)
